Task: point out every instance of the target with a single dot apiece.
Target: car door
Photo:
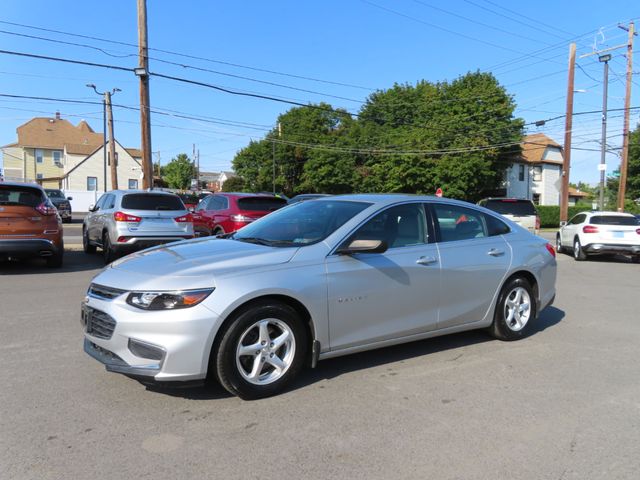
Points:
(474, 260)
(568, 232)
(93, 222)
(105, 217)
(380, 296)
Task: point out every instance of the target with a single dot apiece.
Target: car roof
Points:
(615, 214)
(246, 194)
(21, 184)
(391, 198)
(154, 192)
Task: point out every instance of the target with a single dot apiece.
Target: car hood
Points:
(190, 264)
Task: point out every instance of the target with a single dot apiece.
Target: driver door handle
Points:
(494, 252)
(426, 260)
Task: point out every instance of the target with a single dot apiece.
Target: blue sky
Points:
(360, 44)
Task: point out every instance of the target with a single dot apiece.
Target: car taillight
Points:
(46, 209)
(589, 229)
(537, 222)
(125, 217)
(241, 218)
(551, 250)
(184, 218)
(638, 231)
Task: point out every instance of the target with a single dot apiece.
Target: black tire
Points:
(578, 252)
(635, 259)
(66, 220)
(202, 232)
(108, 253)
(218, 231)
(55, 261)
(559, 247)
(86, 246)
(504, 327)
(225, 363)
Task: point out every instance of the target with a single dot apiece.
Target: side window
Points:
(459, 223)
(399, 226)
(202, 205)
(109, 202)
(100, 204)
(577, 219)
(224, 203)
(495, 226)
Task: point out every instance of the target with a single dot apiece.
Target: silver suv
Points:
(124, 221)
(518, 210)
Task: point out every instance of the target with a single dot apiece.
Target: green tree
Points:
(179, 172)
(633, 165)
(233, 184)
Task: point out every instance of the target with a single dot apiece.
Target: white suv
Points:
(518, 210)
(597, 233)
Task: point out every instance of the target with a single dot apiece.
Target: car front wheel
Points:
(578, 252)
(559, 247)
(108, 253)
(515, 309)
(86, 245)
(261, 351)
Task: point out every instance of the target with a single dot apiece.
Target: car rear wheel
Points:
(578, 252)
(515, 309)
(86, 245)
(261, 351)
(108, 253)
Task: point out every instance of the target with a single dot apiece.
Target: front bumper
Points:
(28, 247)
(608, 248)
(184, 336)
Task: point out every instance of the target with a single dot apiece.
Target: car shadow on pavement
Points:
(332, 368)
(74, 261)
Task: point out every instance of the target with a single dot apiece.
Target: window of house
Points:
(57, 157)
(39, 155)
(39, 176)
(133, 184)
(92, 184)
(521, 173)
(109, 158)
(536, 198)
(537, 174)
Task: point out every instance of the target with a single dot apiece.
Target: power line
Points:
(169, 52)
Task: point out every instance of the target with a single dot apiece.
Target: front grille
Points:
(106, 293)
(99, 324)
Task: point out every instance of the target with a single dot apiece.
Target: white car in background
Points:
(600, 233)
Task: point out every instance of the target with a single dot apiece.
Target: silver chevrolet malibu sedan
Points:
(311, 281)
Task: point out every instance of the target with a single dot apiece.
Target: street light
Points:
(104, 126)
(603, 149)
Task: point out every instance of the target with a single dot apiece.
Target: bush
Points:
(550, 214)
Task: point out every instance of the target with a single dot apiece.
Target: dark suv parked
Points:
(61, 202)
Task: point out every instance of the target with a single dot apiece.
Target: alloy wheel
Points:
(517, 309)
(265, 351)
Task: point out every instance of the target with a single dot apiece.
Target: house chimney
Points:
(57, 115)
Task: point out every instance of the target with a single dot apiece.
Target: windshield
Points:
(54, 193)
(301, 224)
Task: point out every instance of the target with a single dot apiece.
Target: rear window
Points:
(192, 197)
(20, 196)
(613, 220)
(261, 204)
(54, 193)
(511, 207)
(151, 201)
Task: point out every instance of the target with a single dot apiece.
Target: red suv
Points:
(29, 224)
(227, 212)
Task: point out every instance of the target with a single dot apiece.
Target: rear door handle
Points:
(494, 252)
(426, 260)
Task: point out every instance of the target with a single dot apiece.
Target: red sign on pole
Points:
(439, 192)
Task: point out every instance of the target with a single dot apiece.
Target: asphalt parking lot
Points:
(563, 403)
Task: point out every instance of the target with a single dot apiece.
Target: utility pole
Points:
(112, 143)
(625, 129)
(104, 127)
(145, 115)
(566, 166)
(603, 148)
(198, 169)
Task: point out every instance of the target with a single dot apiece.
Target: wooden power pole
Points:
(112, 142)
(145, 115)
(625, 129)
(568, 125)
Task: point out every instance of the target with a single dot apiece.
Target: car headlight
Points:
(167, 300)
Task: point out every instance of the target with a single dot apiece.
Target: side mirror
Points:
(363, 246)
(69, 198)
(92, 208)
(562, 224)
(191, 209)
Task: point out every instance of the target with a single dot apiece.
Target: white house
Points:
(536, 173)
